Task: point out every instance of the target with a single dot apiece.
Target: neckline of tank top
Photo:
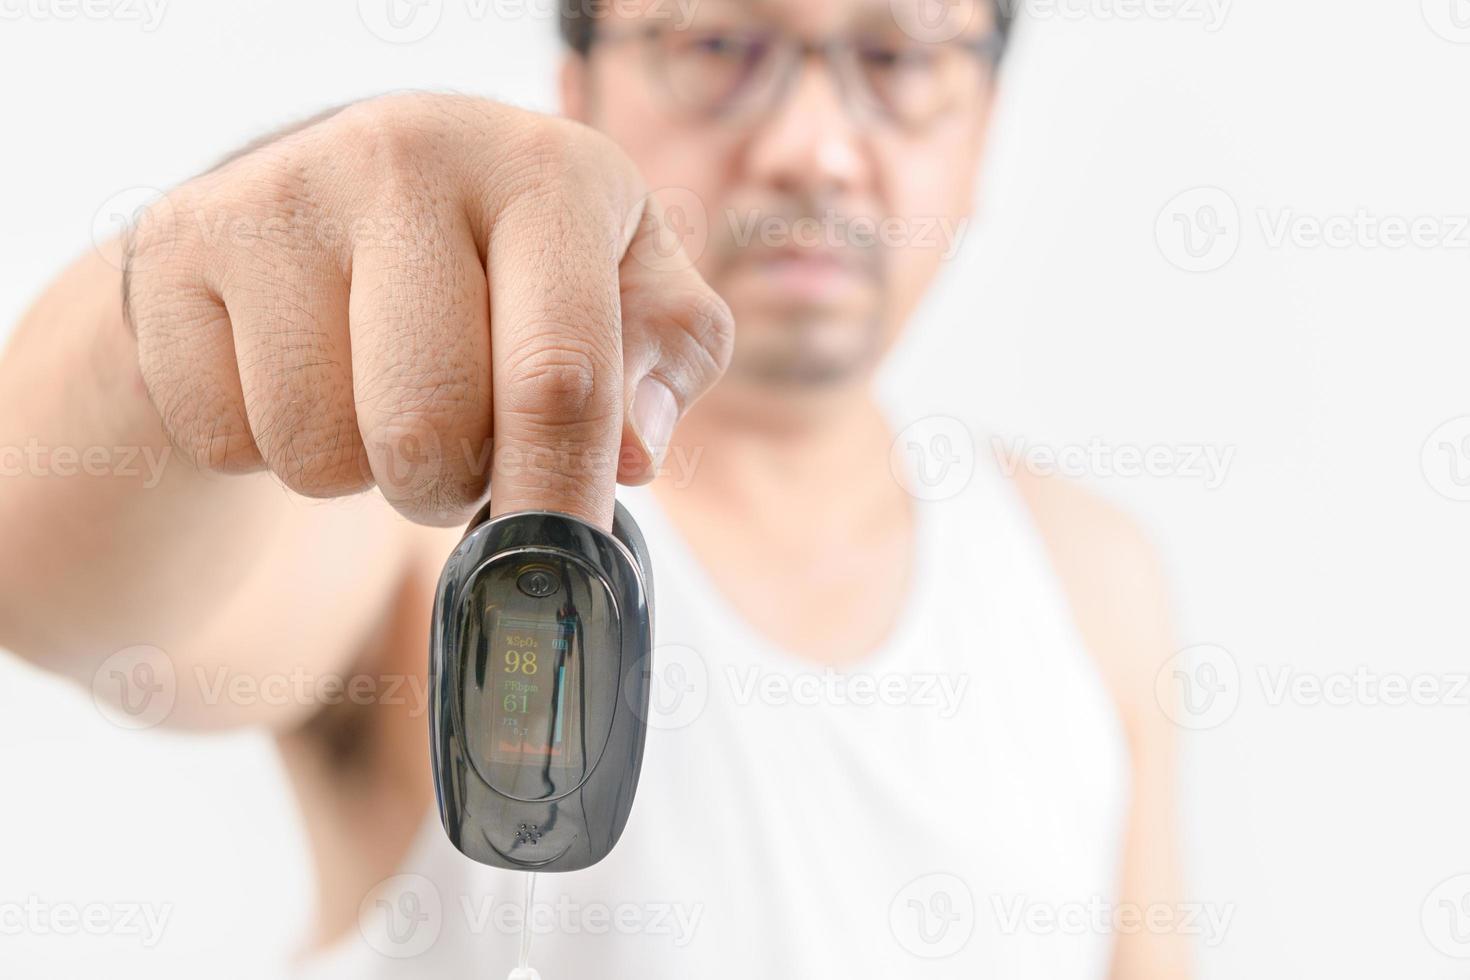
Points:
(677, 561)
(938, 524)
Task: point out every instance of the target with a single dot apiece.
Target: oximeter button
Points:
(537, 584)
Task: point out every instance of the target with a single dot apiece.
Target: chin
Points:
(805, 352)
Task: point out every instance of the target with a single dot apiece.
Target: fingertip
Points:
(636, 466)
(577, 481)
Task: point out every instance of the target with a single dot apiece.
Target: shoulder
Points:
(1114, 582)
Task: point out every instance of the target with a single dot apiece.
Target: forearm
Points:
(111, 537)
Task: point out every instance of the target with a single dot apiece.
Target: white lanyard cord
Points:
(523, 970)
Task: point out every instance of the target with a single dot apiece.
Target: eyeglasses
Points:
(736, 74)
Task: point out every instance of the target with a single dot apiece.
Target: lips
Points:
(811, 275)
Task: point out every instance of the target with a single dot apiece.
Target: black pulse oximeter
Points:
(539, 680)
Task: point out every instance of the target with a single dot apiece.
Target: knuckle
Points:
(154, 231)
(553, 145)
(419, 470)
(426, 437)
(204, 421)
(444, 403)
(557, 383)
(320, 459)
(712, 326)
(201, 426)
(571, 158)
(276, 182)
(437, 504)
(223, 448)
(262, 213)
(159, 255)
(697, 334)
(391, 138)
(299, 404)
(399, 135)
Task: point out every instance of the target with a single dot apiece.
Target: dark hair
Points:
(577, 27)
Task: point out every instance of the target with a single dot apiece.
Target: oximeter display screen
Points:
(534, 669)
(531, 726)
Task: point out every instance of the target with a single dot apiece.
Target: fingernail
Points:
(654, 415)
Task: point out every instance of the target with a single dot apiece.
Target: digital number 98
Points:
(520, 662)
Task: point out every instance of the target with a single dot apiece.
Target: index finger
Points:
(556, 345)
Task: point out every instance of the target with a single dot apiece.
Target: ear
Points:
(573, 83)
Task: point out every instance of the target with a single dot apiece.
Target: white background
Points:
(1324, 369)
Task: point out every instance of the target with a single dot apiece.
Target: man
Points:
(438, 296)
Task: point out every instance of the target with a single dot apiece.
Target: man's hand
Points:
(369, 299)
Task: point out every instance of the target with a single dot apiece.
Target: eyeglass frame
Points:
(987, 48)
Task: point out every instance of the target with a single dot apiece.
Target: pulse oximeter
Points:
(539, 680)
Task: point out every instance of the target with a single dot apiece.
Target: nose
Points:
(809, 145)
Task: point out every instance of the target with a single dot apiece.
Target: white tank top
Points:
(951, 807)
